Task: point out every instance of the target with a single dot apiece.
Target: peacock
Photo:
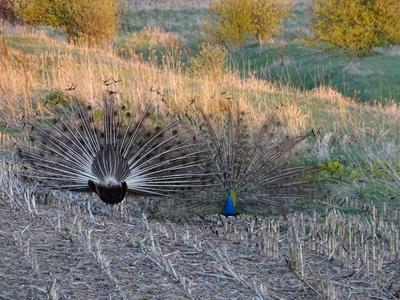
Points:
(110, 149)
(252, 168)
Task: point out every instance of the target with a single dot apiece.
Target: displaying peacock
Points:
(111, 150)
(253, 170)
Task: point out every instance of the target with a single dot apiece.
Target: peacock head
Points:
(230, 207)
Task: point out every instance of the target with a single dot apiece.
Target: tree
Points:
(236, 21)
(232, 21)
(267, 16)
(356, 26)
(88, 21)
(388, 20)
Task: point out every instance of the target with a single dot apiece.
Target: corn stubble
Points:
(300, 256)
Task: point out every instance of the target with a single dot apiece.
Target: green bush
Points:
(356, 26)
(236, 21)
(267, 17)
(388, 21)
(231, 23)
(87, 21)
(210, 61)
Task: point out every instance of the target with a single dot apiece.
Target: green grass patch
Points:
(374, 77)
(185, 22)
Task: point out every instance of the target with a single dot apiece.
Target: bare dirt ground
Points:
(71, 246)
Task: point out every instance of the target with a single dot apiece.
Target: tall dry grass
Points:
(33, 65)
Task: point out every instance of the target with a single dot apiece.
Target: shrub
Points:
(236, 21)
(93, 21)
(388, 21)
(356, 26)
(210, 61)
(267, 17)
(88, 21)
(232, 23)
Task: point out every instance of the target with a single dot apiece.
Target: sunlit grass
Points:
(35, 68)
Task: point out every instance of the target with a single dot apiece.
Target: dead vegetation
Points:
(62, 245)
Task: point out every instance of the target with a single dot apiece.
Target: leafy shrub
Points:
(388, 21)
(356, 26)
(88, 21)
(267, 17)
(232, 23)
(334, 167)
(210, 61)
(236, 21)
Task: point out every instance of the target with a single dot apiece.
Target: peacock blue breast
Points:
(229, 207)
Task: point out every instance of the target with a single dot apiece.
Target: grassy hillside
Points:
(290, 60)
(287, 59)
(360, 139)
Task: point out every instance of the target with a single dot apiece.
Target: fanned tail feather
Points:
(257, 165)
(77, 146)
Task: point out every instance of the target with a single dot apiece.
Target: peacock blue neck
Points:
(229, 207)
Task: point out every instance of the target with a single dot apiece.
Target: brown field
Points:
(70, 246)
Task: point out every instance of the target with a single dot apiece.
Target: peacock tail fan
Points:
(255, 171)
(110, 149)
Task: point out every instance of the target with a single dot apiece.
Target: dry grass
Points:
(153, 37)
(34, 66)
(27, 74)
(67, 245)
(293, 118)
